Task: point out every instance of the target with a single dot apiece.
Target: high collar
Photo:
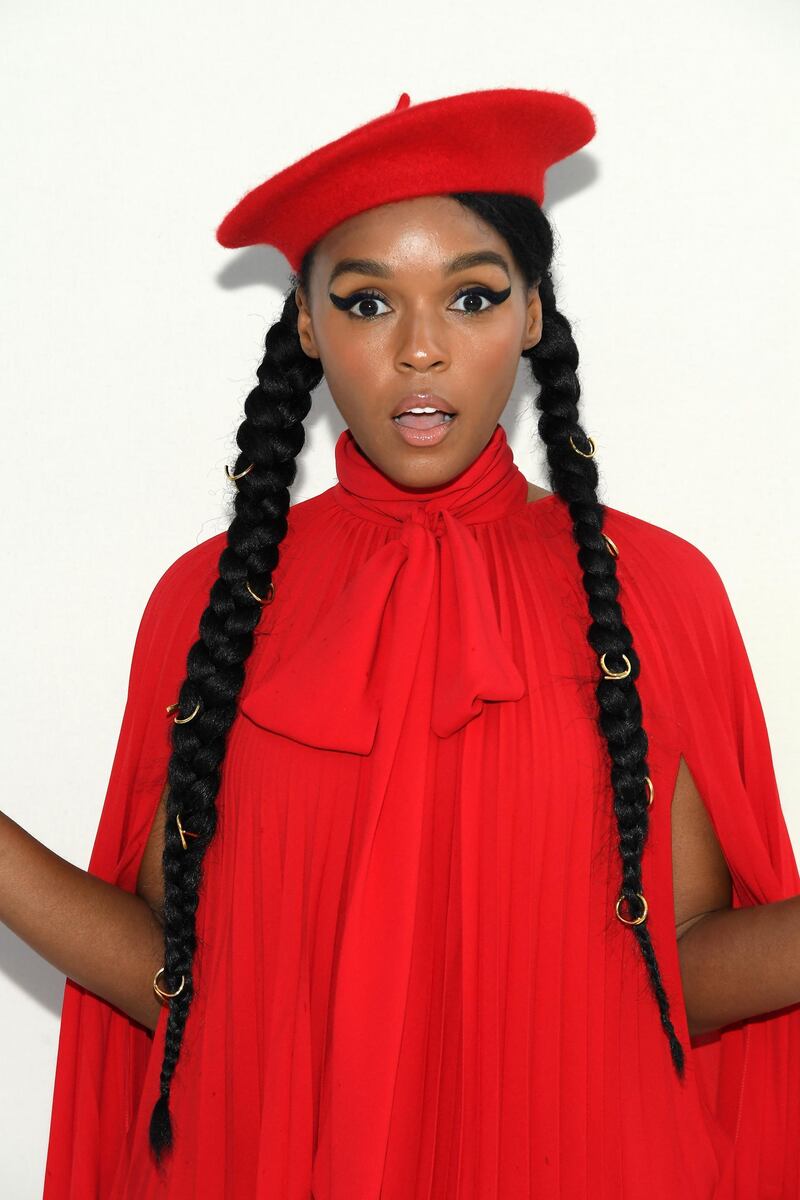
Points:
(432, 582)
(489, 488)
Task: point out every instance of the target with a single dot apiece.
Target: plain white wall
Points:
(130, 338)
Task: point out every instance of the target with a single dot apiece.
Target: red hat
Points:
(500, 140)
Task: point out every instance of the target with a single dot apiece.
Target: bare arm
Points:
(106, 939)
(735, 962)
(741, 962)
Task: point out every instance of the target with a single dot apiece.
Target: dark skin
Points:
(423, 336)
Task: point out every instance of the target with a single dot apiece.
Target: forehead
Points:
(425, 233)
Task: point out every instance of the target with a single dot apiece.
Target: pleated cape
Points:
(411, 982)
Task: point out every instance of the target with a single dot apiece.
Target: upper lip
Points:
(422, 400)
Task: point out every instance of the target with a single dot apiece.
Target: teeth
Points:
(422, 410)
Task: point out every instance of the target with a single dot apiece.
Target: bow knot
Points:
(429, 517)
(418, 613)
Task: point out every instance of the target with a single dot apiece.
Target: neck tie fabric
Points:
(428, 585)
(411, 647)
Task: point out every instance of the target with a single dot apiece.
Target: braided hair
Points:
(270, 438)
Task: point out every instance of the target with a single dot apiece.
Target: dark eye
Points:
(348, 303)
(483, 293)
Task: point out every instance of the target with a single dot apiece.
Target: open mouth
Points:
(427, 418)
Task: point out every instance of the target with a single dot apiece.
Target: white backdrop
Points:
(130, 338)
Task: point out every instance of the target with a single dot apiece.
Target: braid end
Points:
(160, 1127)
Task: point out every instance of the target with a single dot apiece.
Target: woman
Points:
(467, 782)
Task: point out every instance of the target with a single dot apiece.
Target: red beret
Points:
(500, 140)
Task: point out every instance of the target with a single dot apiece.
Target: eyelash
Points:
(347, 305)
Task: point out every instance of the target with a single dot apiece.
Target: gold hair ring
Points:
(611, 545)
(185, 720)
(583, 453)
(614, 674)
(184, 832)
(638, 920)
(233, 478)
(270, 596)
(650, 788)
(182, 720)
(159, 991)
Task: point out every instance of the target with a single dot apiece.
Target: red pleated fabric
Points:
(411, 983)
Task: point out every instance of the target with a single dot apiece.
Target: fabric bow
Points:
(375, 641)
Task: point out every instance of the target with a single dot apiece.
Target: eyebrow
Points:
(371, 266)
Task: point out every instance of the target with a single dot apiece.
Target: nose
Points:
(421, 342)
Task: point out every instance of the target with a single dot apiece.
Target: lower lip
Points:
(424, 437)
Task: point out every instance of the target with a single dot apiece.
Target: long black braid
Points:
(574, 476)
(271, 437)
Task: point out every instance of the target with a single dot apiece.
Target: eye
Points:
(483, 293)
(348, 303)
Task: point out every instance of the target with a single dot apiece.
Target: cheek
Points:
(492, 352)
(351, 367)
(349, 356)
(337, 352)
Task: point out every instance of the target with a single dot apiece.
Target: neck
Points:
(487, 488)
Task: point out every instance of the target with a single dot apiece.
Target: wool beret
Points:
(495, 140)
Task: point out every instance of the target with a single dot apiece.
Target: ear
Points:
(533, 319)
(305, 325)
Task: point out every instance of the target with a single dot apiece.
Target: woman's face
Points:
(418, 332)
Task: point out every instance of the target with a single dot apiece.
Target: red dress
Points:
(411, 982)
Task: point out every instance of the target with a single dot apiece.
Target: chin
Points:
(417, 469)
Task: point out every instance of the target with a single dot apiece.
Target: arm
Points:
(735, 962)
(740, 962)
(105, 938)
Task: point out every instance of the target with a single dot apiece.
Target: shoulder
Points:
(666, 551)
(667, 575)
(305, 513)
(193, 570)
(672, 593)
(177, 600)
(188, 578)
